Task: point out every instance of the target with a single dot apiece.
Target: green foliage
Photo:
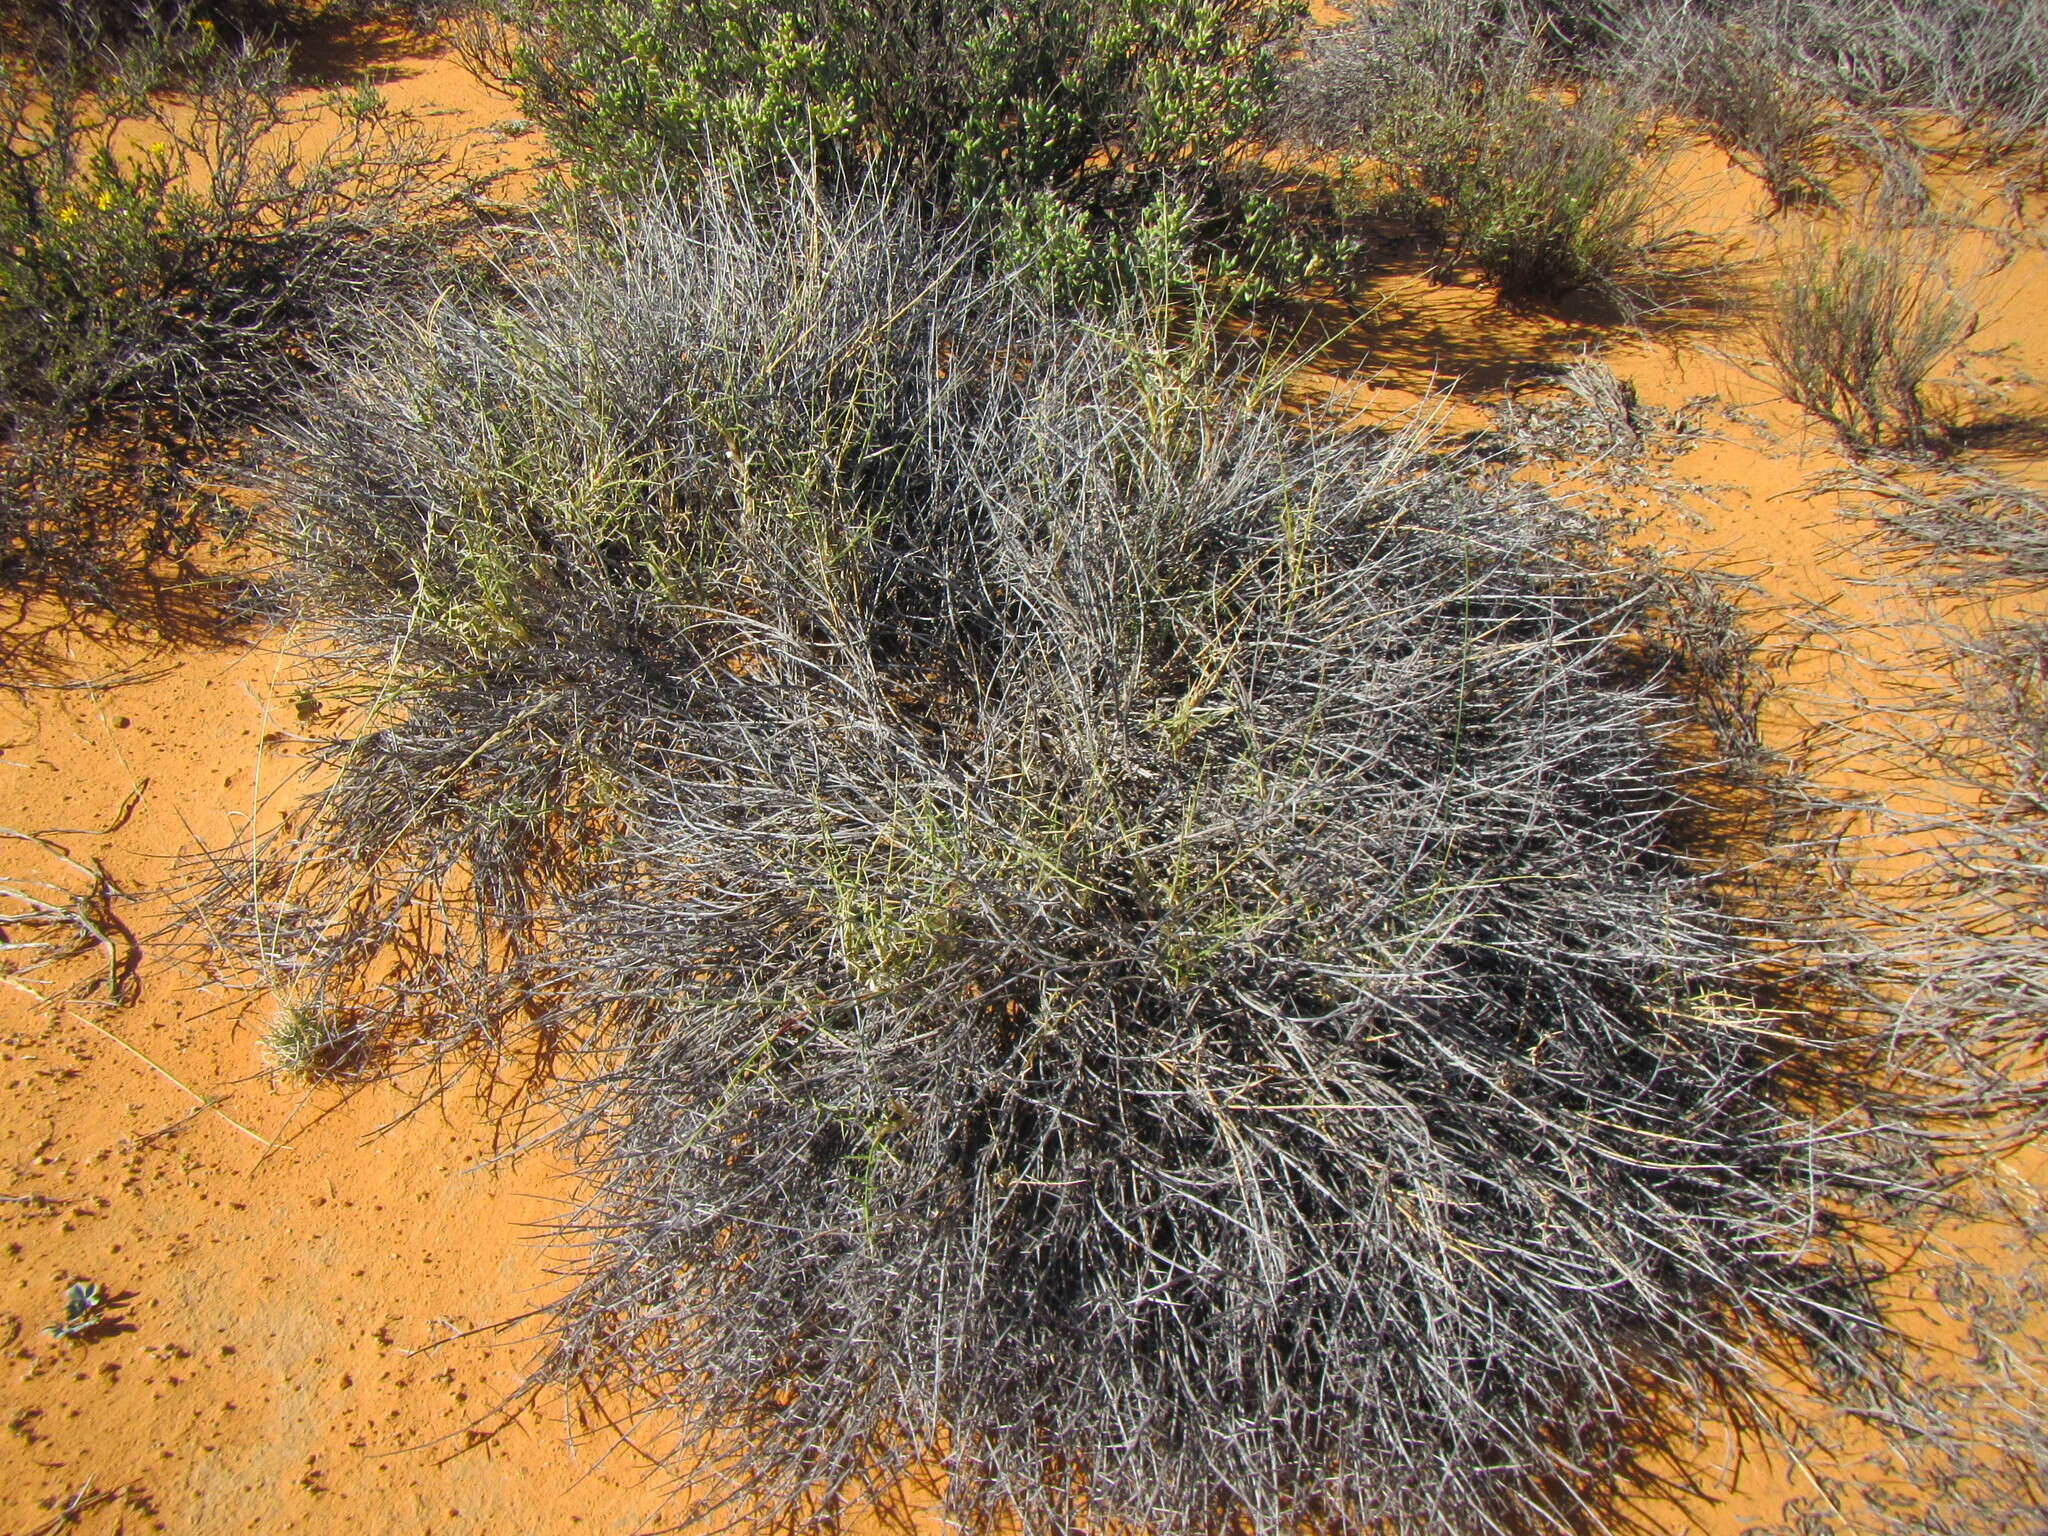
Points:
(1071, 131)
(309, 1042)
(1855, 328)
(69, 24)
(1542, 197)
(1453, 120)
(158, 262)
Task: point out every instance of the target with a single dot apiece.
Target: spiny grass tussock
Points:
(307, 1043)
(1102, 941)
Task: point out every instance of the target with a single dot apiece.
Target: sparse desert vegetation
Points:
(1449, 118)
(1856, 329)
(1176, 769)
(162, 262)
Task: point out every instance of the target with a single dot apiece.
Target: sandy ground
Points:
(318, 1298)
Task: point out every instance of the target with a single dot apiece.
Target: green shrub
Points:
(160, 262)
(1454, 122)
(47, 26)
(1068, 127)
(1854, 328)
(1541, 196)
(1106, 940)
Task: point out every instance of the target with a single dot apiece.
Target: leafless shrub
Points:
(1158, 962)
(1974, 947)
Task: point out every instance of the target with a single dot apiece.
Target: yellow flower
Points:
(159, 148)
(67, 214)
(104, 201)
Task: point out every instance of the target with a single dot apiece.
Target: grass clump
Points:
(1114, 945)
(1450, 114)
(1854, 330)
(160, 262)
(1077, 132)
(309, 1042)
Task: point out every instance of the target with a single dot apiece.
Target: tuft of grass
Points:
(1096, 938)
(1543, 198)
(310, 1041)
(1452, 111)
(1855, 328)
